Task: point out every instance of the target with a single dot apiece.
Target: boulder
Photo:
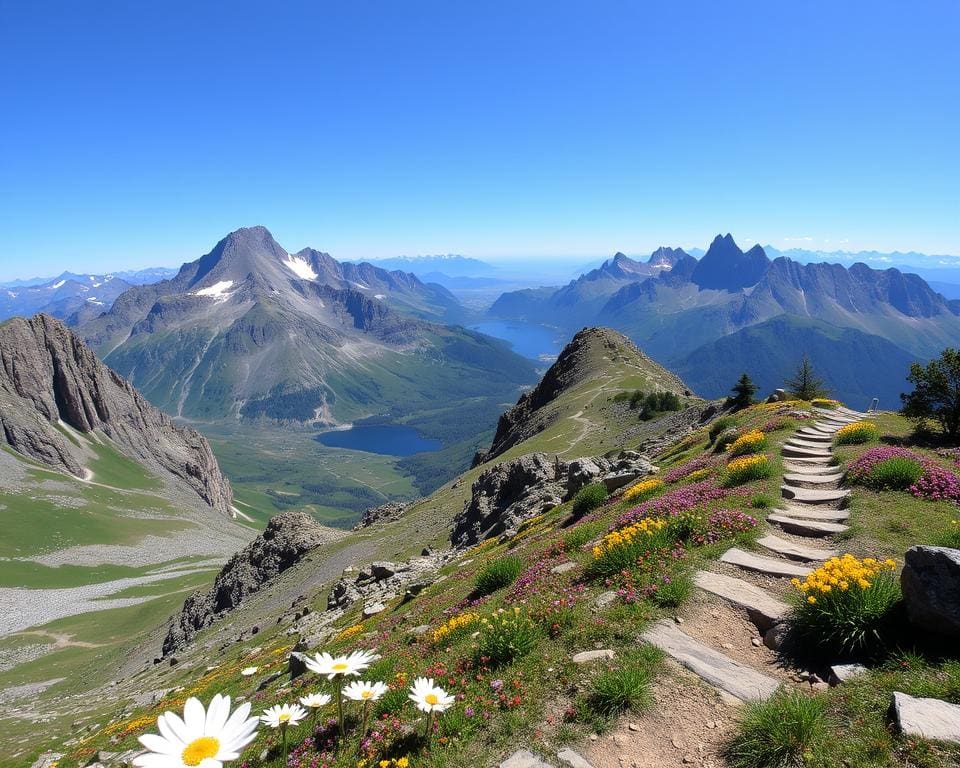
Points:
(927, 718)
(581, 472)
(931, 589)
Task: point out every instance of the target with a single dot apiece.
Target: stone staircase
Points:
(811, 507)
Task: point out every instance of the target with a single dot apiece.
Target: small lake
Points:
(385, 439)
(536, 342)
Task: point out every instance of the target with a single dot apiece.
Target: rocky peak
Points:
(287, 539)
(50, 378)
(666, 258)
(724, 266)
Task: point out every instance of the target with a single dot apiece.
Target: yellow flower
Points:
(643, 488)
(812, 600)
(751, 442)
(648, 526)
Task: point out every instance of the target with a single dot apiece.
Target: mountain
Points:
(53, 388)
(583, 359)
(250, 331)
(451, 265)
(855, 366)
(580, 301)
(697, 302)
(66, 296)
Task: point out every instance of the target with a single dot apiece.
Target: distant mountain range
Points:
(250, 331)
(70, 296)
(690, 304)
(451, 265)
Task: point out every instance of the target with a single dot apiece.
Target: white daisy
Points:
(205, 738)
(280, 716)
(429, 697)
(334, 666)
(315, 700)
(247, 671)
(364, 691)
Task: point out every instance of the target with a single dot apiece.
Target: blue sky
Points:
(136, 134)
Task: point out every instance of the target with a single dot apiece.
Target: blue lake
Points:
(535, 342)
(385, 439)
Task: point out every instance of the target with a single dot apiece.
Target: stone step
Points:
(819, 461)
(799, 478)
(771, 566)
(813, 435)
(812, 513)
(822, 426)
(799, 443)
(811, 469)
(763, 608)
(796, 551)
(927, 718)
(714, 667)
(811, 496)
(806, 527)
(793, 451)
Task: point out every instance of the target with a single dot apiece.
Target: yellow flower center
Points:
(431, 699)
(199, 750)
(284, 718)
(366, 694)
(340, 667)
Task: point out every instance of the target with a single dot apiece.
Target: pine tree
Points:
(743, 392)
(805, 384)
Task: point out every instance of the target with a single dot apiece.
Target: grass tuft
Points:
(785, 731)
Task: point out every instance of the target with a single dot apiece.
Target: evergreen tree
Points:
(743, 392)
(936, 393)
(805, 384)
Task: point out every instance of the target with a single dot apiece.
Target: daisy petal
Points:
(160, 745)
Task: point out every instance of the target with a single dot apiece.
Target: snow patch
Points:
(361, 286)
(58, 284)
(379, 296)
(93, 300)
(300, 267)
(217, 290)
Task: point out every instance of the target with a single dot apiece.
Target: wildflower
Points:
(643, 489)
(314, 702)
(751, 442)
(248, 671)
(336, 668)
(453, 625)
(364, 692)
(855, 434)
(282, 717)
(202, 737)
(430, 698)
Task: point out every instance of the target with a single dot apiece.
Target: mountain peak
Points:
(665, 258)
(724, 266)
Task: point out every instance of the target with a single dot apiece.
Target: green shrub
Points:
(845, 608)
(497, 575)
(505, 636)
(626, 687)
(621, 549)
(721, 424)
(674, 591)
(785, 731)
(857, 434)
(746, 469)
(895, 474)
(581, 535)
(762, 501)
(589, 498)
(952, 539)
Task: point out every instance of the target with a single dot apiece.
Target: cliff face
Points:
(287, 538)
(49, 378)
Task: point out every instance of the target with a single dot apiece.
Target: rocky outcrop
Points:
(931, 589)
(382, 514)
(380, 582)
(50, 383)
(288, 537)
(509, 493)
(580, 360)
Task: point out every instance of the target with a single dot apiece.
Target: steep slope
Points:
(583, 359)
(51, 383)
(855, 366)
(250, 331)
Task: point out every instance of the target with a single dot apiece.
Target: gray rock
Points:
(385, 513)
(841, 673)
(524, 758)
(47, 759)
(419, 630)
(286, 540)
(777, 636)
(373, 609)
(927, 718)
(296, 664)
(617, 480)
(564, 567)
(505, 495)
(585, 657)
(581, 472)
(605, 598)
(48, 375)
(931, 589)
(573, 759)
(382, 570)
